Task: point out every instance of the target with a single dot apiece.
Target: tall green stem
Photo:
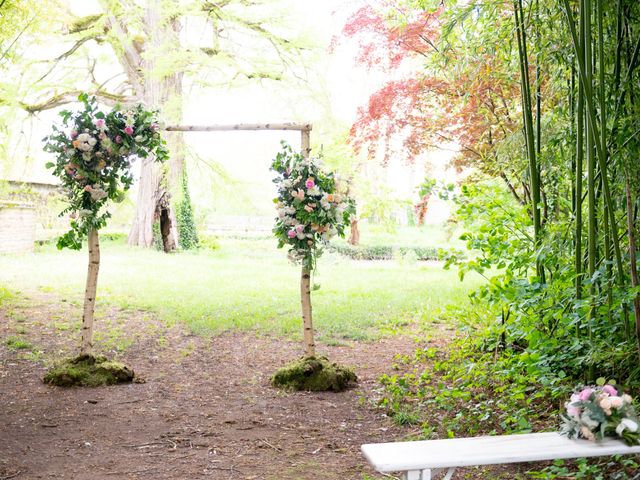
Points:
(529, 135)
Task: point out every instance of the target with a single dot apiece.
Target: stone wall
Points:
(17, 227)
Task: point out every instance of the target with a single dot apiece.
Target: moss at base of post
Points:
(88, 371)
(314, 374)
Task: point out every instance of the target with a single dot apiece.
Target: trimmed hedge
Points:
(383, 252)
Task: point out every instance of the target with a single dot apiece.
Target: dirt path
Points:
(206, 410)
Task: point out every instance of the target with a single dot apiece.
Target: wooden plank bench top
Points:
(419, 456)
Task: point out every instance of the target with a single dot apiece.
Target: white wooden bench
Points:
(420, 460)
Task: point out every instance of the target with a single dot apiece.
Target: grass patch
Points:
(5, 295)
(248, 284)
(18, 343)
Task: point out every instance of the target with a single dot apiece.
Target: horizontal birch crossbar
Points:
(303, 127)
(421, 460)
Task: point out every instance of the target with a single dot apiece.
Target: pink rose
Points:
(610, 390)
(88, 188)
(118, 139)
(574, 411)
(99, 122)
(74, 134)
(128, 130)
(585, 394)
(291, 233)
(310, 183)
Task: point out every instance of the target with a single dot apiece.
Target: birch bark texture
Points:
(305, 278)
(86, 346)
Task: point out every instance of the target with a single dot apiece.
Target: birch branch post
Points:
(93, 152)
(86, 347)
(305, 278)
(312, 207)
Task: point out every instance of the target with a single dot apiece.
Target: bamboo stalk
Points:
(632, 258)
(601, 152)
(578, 189)
(86, 346)
(527, 108)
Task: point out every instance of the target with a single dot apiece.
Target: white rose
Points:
(626, 424)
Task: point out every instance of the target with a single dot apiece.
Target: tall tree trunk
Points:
(154, 203)
(86, 346)
(307, 318)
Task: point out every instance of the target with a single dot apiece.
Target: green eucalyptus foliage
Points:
(93, 154)
(188, 234)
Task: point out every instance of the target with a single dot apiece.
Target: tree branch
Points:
(57, 100)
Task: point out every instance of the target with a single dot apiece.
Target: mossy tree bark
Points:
(155, 202)
(307, 317)
(86, 347)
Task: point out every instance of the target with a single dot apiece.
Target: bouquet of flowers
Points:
(598, 411)
(93, 151)
(312, 206)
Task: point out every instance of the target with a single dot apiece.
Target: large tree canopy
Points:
(154, 52)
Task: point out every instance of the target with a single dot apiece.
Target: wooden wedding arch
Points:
(303, 128)
(166, 219)
(305, 147)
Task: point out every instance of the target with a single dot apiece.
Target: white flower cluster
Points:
(85, 142)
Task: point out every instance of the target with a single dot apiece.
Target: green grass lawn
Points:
(246, 284)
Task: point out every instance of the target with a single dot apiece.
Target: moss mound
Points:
(88, 371)
(314, 374)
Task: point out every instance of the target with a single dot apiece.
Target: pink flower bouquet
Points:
(594, 412)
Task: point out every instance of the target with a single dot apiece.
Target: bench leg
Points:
(428, 474)
(417, 475)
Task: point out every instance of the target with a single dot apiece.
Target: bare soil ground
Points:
(206, 409)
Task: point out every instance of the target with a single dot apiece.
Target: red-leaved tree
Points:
(433, 96)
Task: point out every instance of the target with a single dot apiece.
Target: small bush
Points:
(384, 252)
(208, 242)
(116, 237)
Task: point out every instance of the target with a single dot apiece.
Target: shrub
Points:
(208, 242)
(383, 252)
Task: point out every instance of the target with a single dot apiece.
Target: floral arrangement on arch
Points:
(312, 206)
(93, 160)
(594, 412)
